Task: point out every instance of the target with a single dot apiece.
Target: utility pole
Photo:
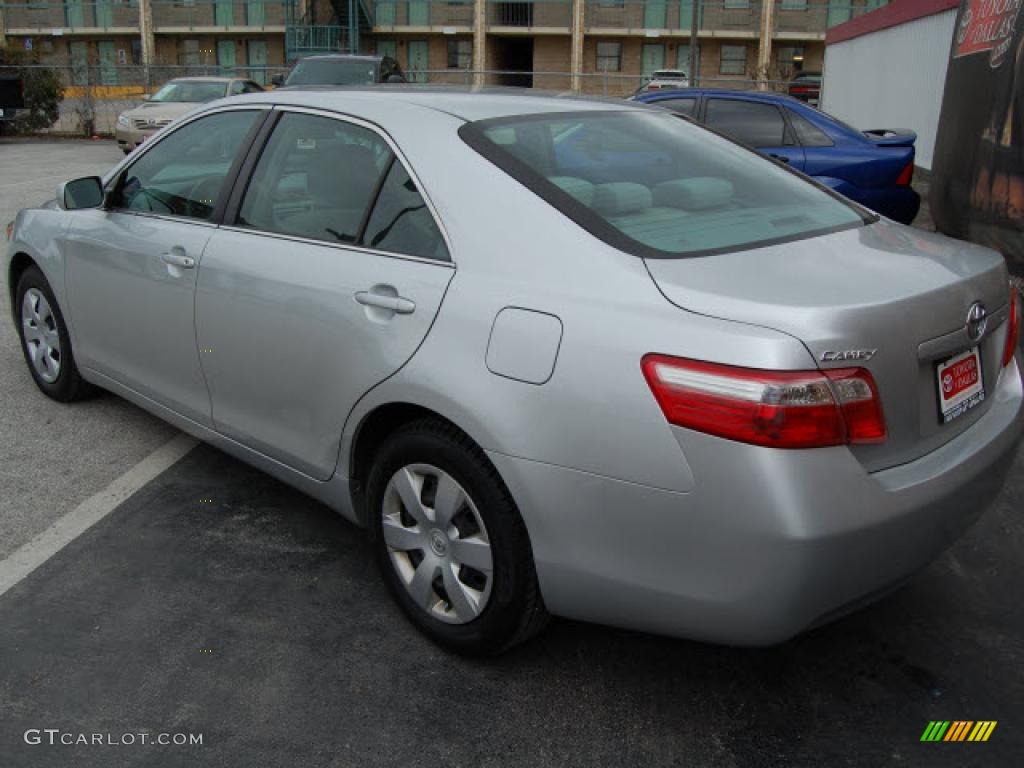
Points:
(576, 52)
(694, 24)
(148, 39)
(764, 50)
(479, 43)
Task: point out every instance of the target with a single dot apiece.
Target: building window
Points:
(460, 54)
(190, 53)
(736, 4)
(733, 60)
(609, 57)
(794, 5)
(789, 58)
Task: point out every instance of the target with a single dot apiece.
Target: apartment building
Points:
(594, 46)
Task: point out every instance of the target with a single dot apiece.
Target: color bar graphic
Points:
(958, 730)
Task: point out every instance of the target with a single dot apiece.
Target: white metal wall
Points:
(892, 78)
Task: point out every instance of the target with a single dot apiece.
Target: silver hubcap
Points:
(41, 337)
(437, 543)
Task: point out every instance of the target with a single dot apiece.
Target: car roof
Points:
(749, 95)
(345, 56)
(464, 103)
(205, 79)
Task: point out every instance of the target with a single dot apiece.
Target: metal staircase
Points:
(303, 36)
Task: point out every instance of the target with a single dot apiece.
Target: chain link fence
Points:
(94, 96)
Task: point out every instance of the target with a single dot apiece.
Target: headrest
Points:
(694, 194)
(619, 197)
(581, 189)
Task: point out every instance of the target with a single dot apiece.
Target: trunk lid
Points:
(903, 292)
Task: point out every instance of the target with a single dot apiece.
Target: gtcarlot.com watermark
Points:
(57, 737)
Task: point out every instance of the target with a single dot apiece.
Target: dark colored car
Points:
(806, 86)
(12, 97)
(873, 168)
(341, 69)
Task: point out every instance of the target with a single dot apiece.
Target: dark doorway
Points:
(514, 55)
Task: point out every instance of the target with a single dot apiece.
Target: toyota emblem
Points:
(977, 321)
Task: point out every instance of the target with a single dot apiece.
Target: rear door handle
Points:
(396, 304)
(780, 158)
(178, 258)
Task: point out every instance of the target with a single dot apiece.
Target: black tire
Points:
(515, 610)
(69, 384)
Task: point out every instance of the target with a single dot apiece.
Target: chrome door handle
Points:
(396, 304)
(176, 257)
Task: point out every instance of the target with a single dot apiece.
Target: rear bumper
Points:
(768, 543)
(897, 203)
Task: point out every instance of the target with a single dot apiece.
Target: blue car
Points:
(874, 168)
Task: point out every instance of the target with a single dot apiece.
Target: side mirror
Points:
(395, 79)
(86, 192)
(277, 80)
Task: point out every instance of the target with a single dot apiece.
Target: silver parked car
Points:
(556, 355)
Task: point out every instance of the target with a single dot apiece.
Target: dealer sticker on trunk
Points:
(960, 384)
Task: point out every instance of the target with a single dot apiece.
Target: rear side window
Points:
(759, 125)
(316, 178)
(807, 133)
(319, 178)
(401, 221)
(655, 186)
(682, 106)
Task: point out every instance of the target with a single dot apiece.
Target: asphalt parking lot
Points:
(216, 601)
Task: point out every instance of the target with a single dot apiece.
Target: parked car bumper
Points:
(898, 203)
(769, 542)
(131, 138)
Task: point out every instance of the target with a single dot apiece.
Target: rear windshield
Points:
(333, 72)
(658, 186)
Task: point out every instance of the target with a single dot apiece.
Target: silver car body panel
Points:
(633, 522)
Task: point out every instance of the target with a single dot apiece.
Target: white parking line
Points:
(30, 556)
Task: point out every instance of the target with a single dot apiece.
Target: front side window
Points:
(316, 178)
(184, 174)
(656, 186)
(759, 125)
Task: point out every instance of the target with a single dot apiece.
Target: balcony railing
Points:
(543, 14)
(71, 15)
(722, 16)
(192, 14)
(390, 14)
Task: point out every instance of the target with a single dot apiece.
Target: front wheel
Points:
(450, 542)
(45, 341)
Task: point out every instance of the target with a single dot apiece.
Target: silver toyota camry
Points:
(557, 356)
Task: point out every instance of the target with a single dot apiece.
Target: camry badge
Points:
(830, 356)
(977, 321)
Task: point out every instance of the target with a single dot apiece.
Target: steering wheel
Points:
(202, 196)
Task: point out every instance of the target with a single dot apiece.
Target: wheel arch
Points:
(369, 435)
(20, 262)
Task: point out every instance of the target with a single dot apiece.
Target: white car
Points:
(665, 78)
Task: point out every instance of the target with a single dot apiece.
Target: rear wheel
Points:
(450, 542)
(45, 341)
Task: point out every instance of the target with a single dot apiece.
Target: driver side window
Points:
(184, 174)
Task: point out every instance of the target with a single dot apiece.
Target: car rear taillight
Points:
(906, 175)
(1012, 328)
(779, 409)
